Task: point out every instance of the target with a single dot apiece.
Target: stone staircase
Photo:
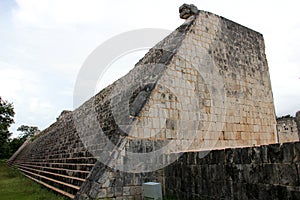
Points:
(56, 159)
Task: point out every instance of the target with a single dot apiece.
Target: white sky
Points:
(43, 44)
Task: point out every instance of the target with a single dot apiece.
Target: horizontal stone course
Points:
(56, 158)
(269, 171)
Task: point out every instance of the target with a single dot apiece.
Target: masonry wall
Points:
(213, 92)
(287, 129)
(297, 119)
(56, 158)
(216, 91)
(206, 86)
(264, 172)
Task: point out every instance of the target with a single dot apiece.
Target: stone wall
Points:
(216, 91)
(297, 118)
(263, 172)
(205, 86)
(288, 128)
(56, 157)
(213, 92)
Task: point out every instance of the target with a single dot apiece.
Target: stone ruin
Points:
(288, 128)
(198, 100)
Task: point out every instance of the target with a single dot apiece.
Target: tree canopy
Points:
(7, 114)
(27, 131)
(7, 145)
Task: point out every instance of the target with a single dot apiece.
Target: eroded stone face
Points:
(187, 10)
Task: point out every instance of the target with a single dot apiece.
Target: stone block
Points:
(191, 158)
(217, 157)
(128, 179)
(237, 156)
(241, 190)
(282, 192)
(275, 154)
(118, 191)
(295, 194)
(217, 172)
(297, 152)
(102, 193)
(110, 192)
(256, 174)
(288, 152)
(126, 191)
(287, 174)
(232, 172)
(94, 190)
(246, 155)
(256, 155)
(270, 173)
(229, 154)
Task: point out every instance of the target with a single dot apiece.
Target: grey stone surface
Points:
(274, 178)
(187, 10)
(288, 128)
(184, 58)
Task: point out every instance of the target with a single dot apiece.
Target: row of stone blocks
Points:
(267, 171)
(56, 159)
(263, 172)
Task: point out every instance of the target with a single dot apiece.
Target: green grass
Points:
(15, 186)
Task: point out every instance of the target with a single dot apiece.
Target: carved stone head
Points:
(187, 10)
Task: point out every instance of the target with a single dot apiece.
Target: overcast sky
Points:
(43, 44)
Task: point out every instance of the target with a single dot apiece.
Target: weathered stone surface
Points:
(261, 179)
(288, 128)
(275, 155)
(297, 119)
(187, 10)
(205, 86)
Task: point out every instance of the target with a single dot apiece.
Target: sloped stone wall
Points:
(215, 92)
(56, 158)
(225, 66)
(205, 86)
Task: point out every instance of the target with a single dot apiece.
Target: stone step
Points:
(71, 196)
(50, 179)
(58, 151)
(61, 147)
(54, 174)
(54, 144)
(66, 154)
(76, 166)
(88, 160)
(76, 173)
(53, 182)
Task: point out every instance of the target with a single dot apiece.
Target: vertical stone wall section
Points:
(264, 172)
(288, 128)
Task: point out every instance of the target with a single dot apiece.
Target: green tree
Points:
(14, 145)
(27, 131)
(6, 119)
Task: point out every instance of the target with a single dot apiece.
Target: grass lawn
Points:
(15, 186)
